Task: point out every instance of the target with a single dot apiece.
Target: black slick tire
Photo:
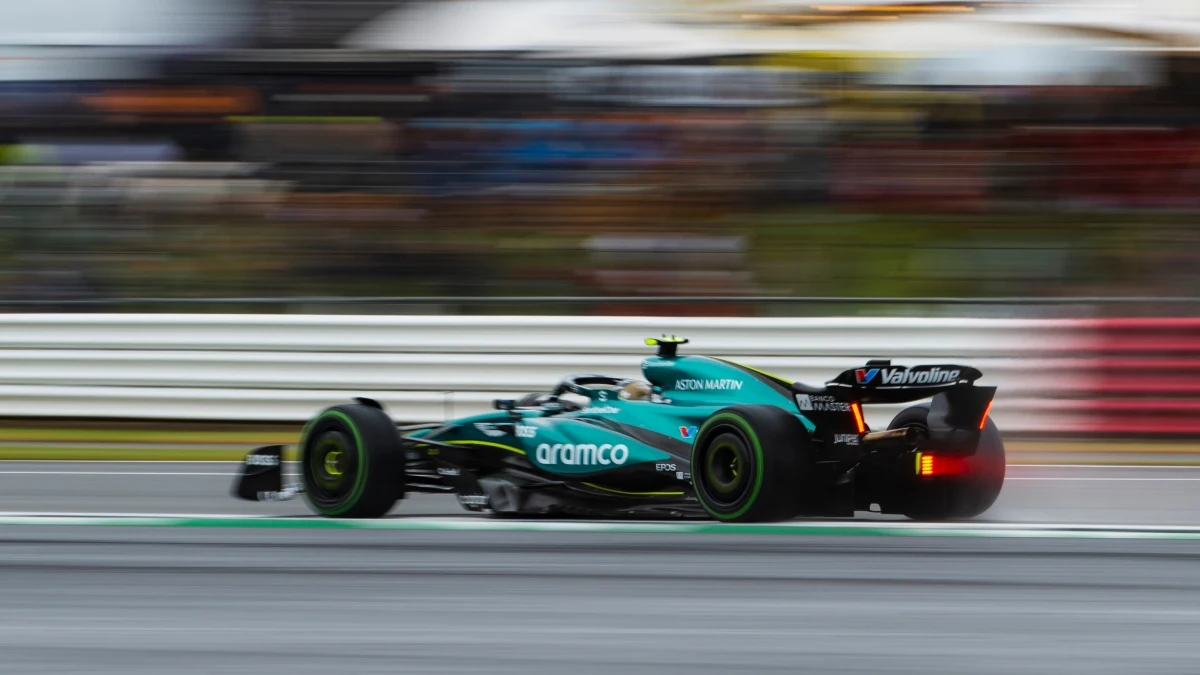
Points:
(965, 495)
(352, 462)
(750, 464)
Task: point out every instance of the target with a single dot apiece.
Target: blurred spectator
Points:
(334, 172)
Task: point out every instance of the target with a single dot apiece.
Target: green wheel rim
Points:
(329, 464)
(335, 492)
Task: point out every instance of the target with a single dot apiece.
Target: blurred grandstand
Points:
(579, 147)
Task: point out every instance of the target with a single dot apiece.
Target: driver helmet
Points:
(636, 391)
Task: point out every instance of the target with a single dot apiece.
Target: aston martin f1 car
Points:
(698, 437)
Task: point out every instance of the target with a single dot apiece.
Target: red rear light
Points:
(983, 420)
(939, 465)
(925, 464)
(858, 417)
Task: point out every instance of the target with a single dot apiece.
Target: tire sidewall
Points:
(781, 453)
(972, 493)
(378, 479)
(727, 421)
(334, 419)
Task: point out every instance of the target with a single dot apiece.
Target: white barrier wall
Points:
(426, 368)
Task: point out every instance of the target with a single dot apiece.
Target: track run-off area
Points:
(152, 567)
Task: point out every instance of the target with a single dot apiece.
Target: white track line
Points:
(117, 473)
(1100, 479)
(1188, 467)
(129, 514)
(124, 461)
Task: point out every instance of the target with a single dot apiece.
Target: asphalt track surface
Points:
(1058, 494)
(136, 600)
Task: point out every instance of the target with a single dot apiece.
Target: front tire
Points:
(352, 463)
(964, 495)
(750, 464)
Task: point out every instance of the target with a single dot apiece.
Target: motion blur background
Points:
(1010, 159)
(464, 148)
(218, 217)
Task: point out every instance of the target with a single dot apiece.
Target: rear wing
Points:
(881, 382)
(957, 413)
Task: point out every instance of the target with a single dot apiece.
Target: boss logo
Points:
(262, 460)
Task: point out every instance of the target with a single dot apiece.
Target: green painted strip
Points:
(468, 524)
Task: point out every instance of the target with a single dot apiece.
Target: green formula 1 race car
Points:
(698, 437)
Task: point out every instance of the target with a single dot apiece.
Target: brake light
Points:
(988, 409)
(939, 465)
(925, 465)
(858, 417)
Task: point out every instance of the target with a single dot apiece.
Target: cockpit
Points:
(578, 391)
(575, 392)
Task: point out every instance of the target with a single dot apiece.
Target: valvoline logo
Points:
(688, 432)
(865, 375)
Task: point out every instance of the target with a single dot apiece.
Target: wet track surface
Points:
(1061, 494)
(199, 600)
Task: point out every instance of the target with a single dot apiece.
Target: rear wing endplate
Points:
(957, 417)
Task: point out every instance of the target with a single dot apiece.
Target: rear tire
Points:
(750, 464)
(352, 462)
(965, 495)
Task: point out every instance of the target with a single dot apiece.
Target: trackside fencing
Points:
(1145, 379)
(284, 368)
